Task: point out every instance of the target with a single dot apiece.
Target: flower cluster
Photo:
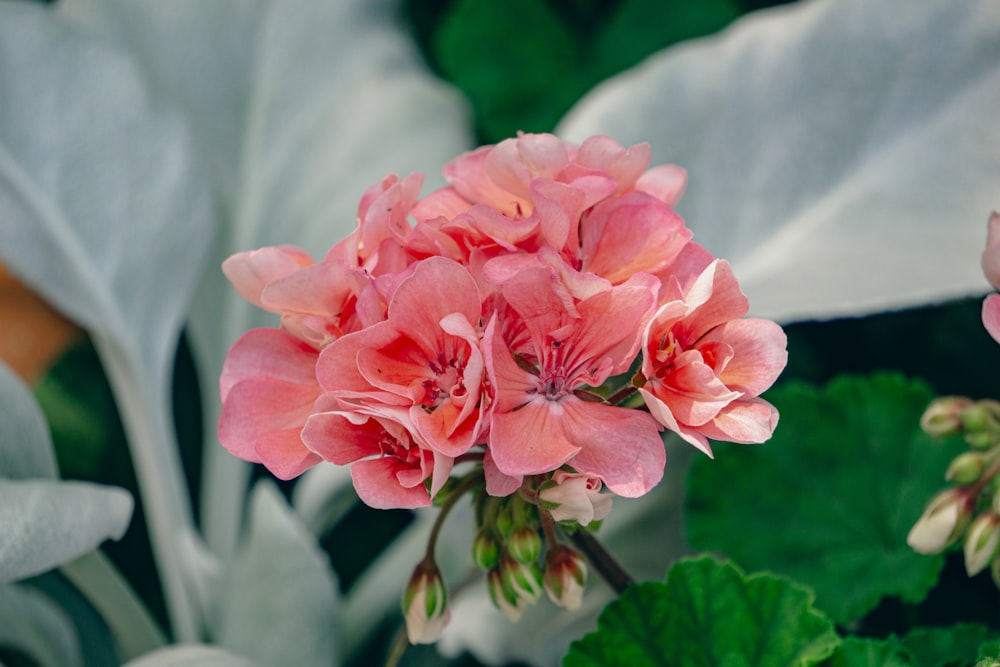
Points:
(544, 317)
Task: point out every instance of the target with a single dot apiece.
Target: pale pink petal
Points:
(535, 438)
(629, 234)
(622, 446)
(514, 163)
(259, 406)
(284, 454)
(759, 353)
(341, 438)
(443, 203)
(661, 413)
(377, 483)
(991, 316)
(558, 208)
(321, 289)
(609, 156)
(468, 176)
(337, 366)
(748, 421)
(499, 483)
(270, 353)
(665, 182)
(511, 384)
(713, 299)
(437, 288)
(251, 271)
(691, 389)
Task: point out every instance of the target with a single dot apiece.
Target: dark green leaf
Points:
(857, 652)
(830, 499)
(946, 647)
(708, 613)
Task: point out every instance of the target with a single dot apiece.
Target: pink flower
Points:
(575, 497)
(388, 468)
(268, 388)
(991, 268)
(562, 346)
(425, 356)
(704, 367)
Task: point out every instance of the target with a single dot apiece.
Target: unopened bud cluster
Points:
(971, 510)
(521, 557)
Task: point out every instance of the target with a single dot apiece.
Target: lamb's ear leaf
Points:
(33, 624)
(841, 153)
(297, 109)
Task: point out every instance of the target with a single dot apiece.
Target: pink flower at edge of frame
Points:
(991, 316)
(268, 389)
(705, 366)
(991, 254)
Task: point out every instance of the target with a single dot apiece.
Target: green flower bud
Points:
(525, 545)
(565, 577)
(941, 418)
(504, 522)
(503, 597)
(485, 551)
(525, 580)
(425, 604)
(966, 468)
(975, 417)
(981, 542)
(980, 439)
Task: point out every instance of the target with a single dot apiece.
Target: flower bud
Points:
(524, 545)
(565, 577)
(425, 604)
(980, 439)
(575, 497)
(981, 542)
(943, 416)
(485, 551)
(503, 597)
(942, 523)
(966, 468)
(525, 580)
(975, 417)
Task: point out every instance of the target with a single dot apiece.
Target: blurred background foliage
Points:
(522, 64)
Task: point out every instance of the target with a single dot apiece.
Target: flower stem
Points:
(605, 564)
(463, 487)
(621, 395)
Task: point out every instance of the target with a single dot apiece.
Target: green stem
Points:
(398, 647)
(609, 569)
(126, 616)
(466, 485)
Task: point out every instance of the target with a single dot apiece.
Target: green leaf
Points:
(990, 653)
(857, 652)
(279, 601)
(708, 613)
(945, 647)
(33, 624)
(816, 136)
(830, 498)
(523, 62)
(44, 523)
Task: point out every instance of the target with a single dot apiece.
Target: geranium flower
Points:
(704, 367)
(539, 421)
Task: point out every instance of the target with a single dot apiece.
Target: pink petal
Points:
(498, 483)
(342, 438)
(759, 353)
(713, 299)
(468, 176)
(259, 406)
(269, 353)
(533, 439)
(666, 182)
(377, 483)
(991, 316)
(250, 272)
(629, 234)
(991, 255)
(622, 446)
(609, 156)
(748, 421)
(283, 453)
(661, 413)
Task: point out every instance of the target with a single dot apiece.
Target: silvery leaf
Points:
(25, 444)
(298, 107)
(44, 523)
(841, 153)
(190, 655)
(279, 597)
(34, 625)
